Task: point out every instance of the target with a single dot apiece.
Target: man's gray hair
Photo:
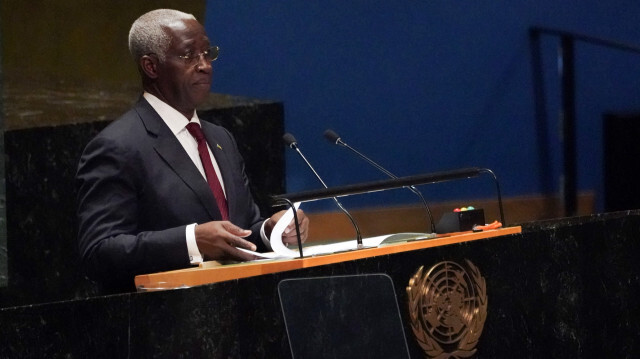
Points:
(147, 34)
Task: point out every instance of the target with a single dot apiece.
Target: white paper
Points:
(276, 235)
(280, 250)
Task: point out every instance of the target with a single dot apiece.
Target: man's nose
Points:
(203, 64)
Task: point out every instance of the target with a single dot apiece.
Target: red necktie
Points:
(212, 178)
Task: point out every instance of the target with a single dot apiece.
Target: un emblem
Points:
(448, 307)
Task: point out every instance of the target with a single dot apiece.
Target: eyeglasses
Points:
(210, 55)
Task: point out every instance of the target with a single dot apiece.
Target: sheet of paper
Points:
(280, 250)
(276, 235)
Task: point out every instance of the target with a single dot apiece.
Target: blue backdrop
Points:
(424, 86)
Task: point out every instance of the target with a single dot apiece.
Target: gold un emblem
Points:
(448, 307)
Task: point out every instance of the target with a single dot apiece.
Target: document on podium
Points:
(281, 251)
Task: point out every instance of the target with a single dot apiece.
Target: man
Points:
(151, 195)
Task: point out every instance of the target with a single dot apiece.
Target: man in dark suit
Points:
(151, 196)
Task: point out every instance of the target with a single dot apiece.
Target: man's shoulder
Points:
(124, 132)
(131, 120)
(124, 126)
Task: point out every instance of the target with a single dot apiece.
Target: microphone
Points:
(290, 141)
(334, 138)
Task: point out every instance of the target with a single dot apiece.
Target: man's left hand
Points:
(289, 234)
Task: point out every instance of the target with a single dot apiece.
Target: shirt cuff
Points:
(263, 235)
(195, 257)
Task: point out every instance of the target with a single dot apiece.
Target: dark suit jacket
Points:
(138, 189)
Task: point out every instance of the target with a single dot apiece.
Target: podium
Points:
(566, 287)
(340, 313)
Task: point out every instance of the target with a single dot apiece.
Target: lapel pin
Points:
(218, 145)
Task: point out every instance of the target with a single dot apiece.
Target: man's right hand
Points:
(219, 239)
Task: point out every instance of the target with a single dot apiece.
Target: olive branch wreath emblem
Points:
(448, 308)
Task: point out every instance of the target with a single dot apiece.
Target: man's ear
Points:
(149, 66)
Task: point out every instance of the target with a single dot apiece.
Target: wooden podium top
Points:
(213, 272)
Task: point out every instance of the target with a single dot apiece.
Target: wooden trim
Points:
(213, 272)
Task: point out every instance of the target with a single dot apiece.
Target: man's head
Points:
(148, 36)
(173, 54)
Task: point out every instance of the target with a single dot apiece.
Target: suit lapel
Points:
(170, 150)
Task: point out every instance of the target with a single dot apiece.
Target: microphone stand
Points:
(330, 135)
(295, 220)
(293, 144)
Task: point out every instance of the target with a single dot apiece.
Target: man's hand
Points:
(219, 239)
(289, 234)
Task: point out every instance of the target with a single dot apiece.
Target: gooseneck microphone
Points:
(334, 138)
(291, 142)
